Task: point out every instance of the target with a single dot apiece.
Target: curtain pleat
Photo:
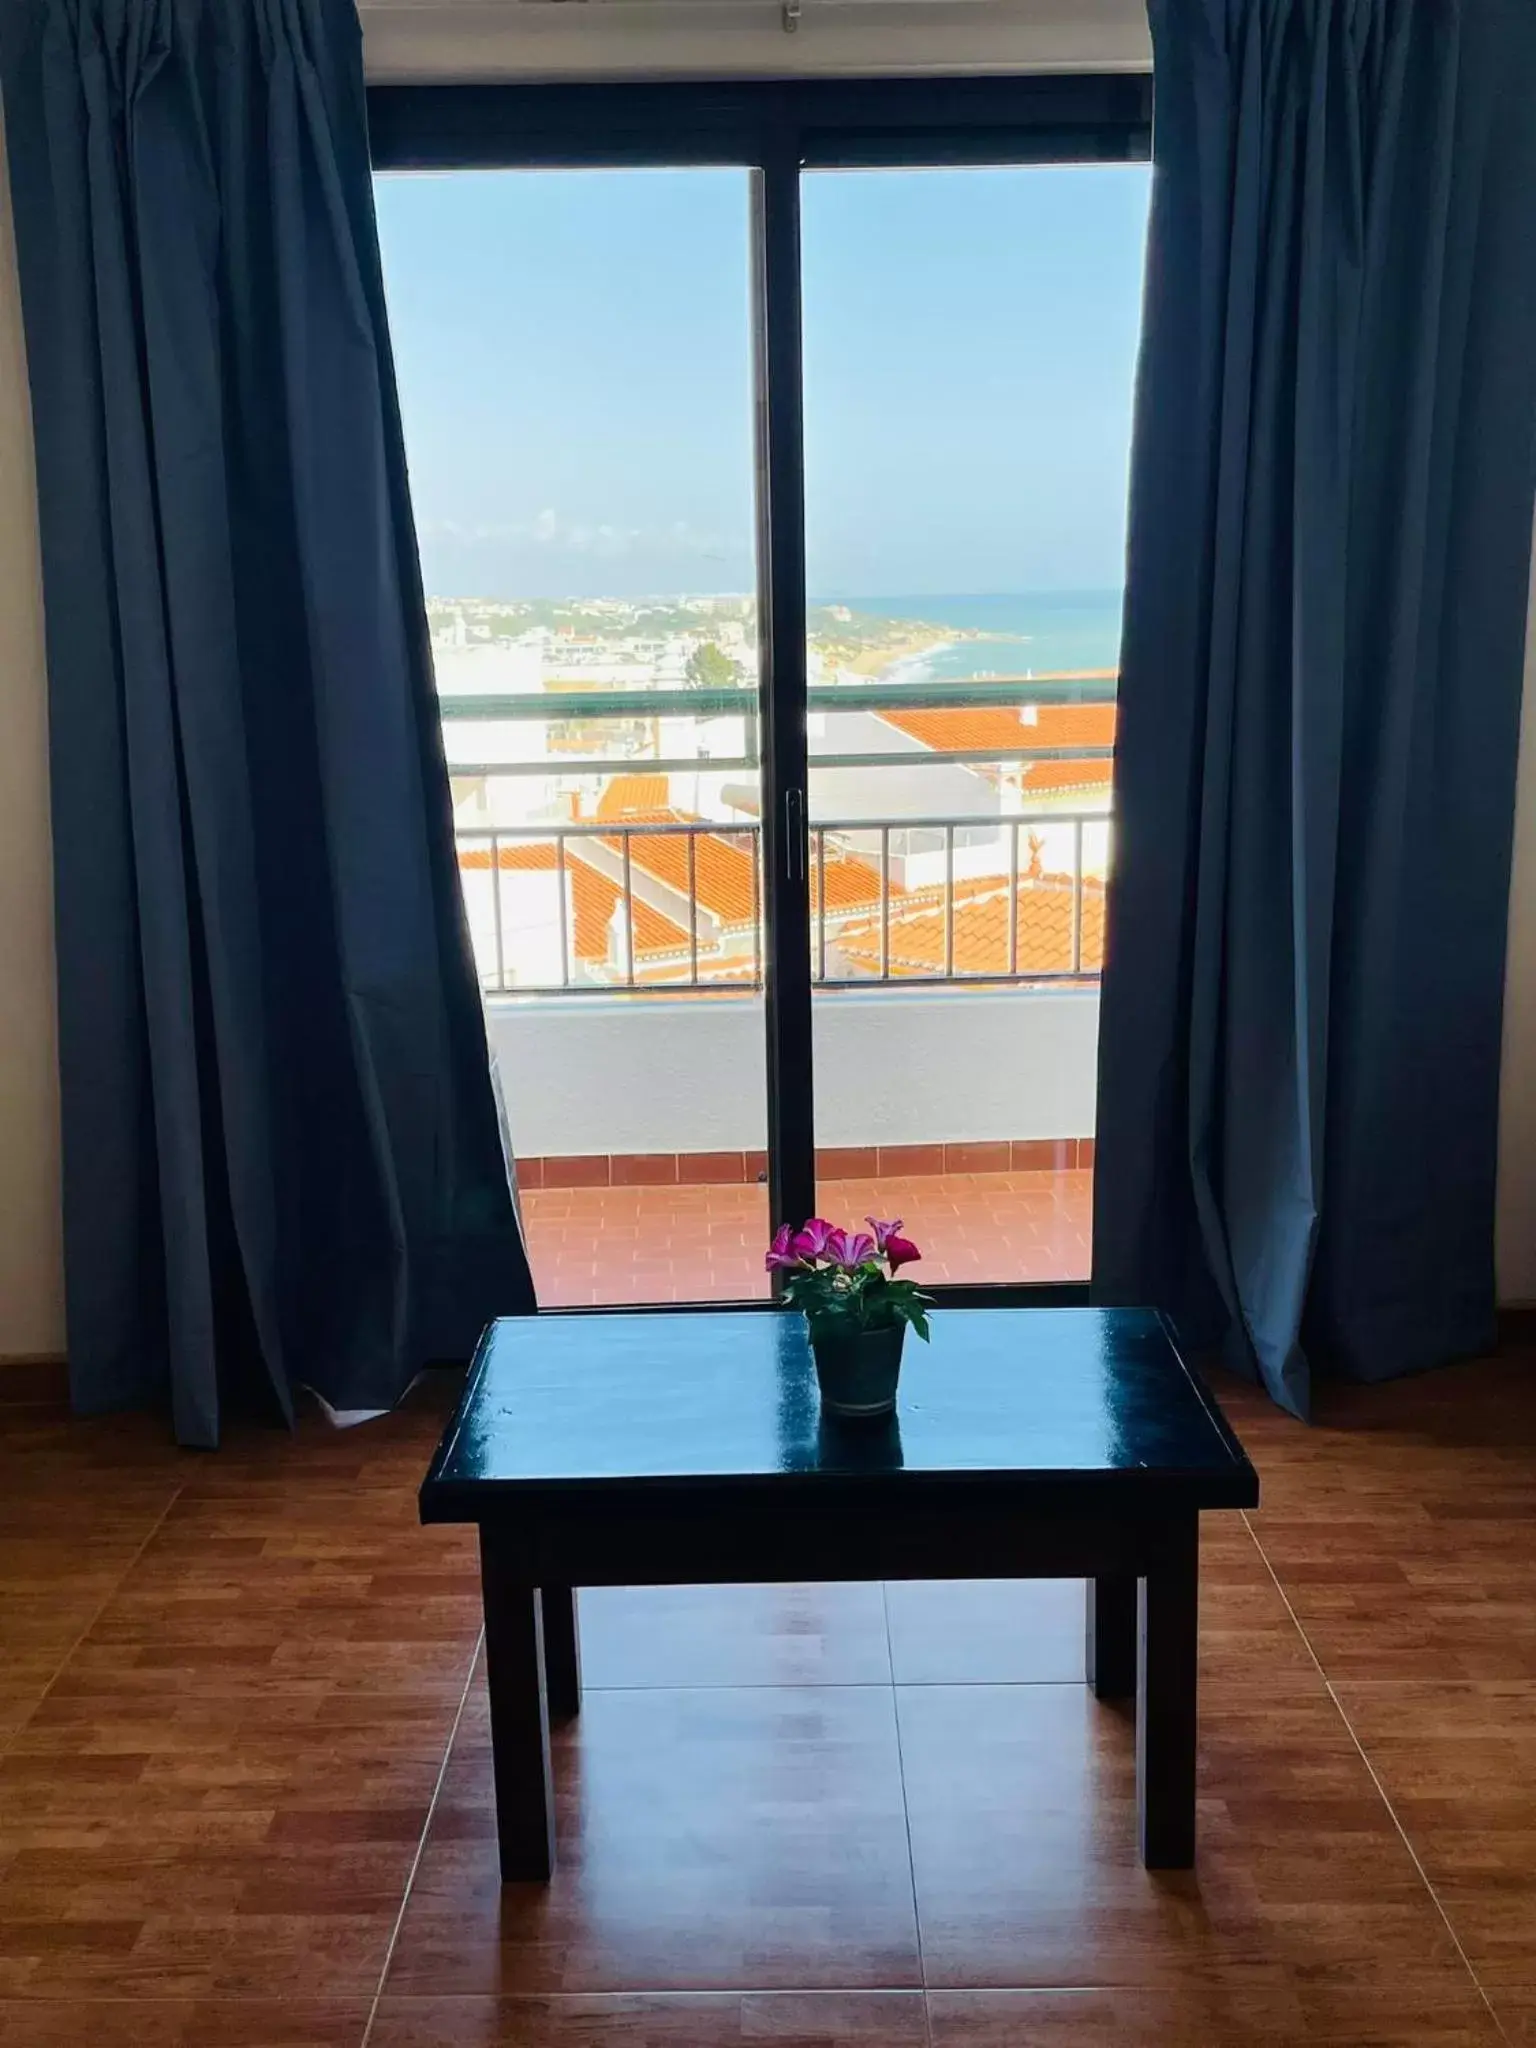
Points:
(283, 1156)
(1331, 497)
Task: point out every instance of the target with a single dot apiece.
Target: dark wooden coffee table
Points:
(688, 1449)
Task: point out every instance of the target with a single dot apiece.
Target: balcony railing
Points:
(674, 904)
(918, 902)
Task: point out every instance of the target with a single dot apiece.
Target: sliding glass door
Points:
(969, 344)
(576, 364)
(768, 450)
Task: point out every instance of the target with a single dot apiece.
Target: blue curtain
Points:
(1330, 538)
(283, 1158)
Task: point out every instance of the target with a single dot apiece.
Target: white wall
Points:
(650, 1074)
(925, 1067)
(1517, 1102)
(464, 39)
(31, 1259)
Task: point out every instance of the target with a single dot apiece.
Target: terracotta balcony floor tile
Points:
(654, 1244)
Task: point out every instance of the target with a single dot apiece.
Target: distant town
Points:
(616, 847)
(658, 643)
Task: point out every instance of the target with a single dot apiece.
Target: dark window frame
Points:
(776, 128)
(1080, 117)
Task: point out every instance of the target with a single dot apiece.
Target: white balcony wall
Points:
(651, 1074)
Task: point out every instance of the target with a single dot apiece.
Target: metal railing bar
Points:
(964, 756)
(1026, 978)
(562, 707)
(501, 958)
(755, 854)
(1013, 900)
(747, 985)
(885, 902)
(643, 764)
(693, 909)
(1077, 896)
(615, 764)
(629, 908)
(980, 823)
(997, 692)
(613, 829)
(640, 764)
(563, 890)
(949, 904)
(720, 828)
(821, 904)
(621, 992)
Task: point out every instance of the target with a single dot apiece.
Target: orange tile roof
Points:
(1046, 777)
(536, 854)
(724, 865)
(917, 938)
(629, 796)
(595, 897)
(592, 895)
(850, 882)
(1056, 725)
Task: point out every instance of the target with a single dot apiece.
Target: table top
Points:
(614, 1404)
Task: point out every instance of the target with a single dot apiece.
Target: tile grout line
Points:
(1285, 1598)
(1381, 1790)
(906, 1813)
(421, 1845)
(69, 1655)
(1477, 1982)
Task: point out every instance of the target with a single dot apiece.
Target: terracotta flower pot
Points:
(858, 1375)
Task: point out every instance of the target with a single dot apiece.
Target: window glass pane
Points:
(575, 363)
(970, 340)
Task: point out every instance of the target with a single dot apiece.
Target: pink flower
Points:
(884, 1232)
(782, 1251)
(812, 1239)
(900, 1251)
(850, 1249)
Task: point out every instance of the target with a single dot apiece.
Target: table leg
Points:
(562, 1652)
(1111, 1640)
(1166, 1699)
(514, 1666)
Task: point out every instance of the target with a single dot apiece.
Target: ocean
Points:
(1039, 632)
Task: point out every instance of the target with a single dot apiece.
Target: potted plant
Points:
(856, 1309)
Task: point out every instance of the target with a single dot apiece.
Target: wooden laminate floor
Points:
(245, 1778)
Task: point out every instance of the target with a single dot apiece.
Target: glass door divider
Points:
(782, 644)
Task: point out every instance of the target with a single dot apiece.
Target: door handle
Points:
(794, 834)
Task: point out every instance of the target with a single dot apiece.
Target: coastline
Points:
(878, 662)
(921, 661)
(913, 665)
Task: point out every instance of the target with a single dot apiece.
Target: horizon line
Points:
(819, 602)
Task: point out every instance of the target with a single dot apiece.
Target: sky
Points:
(575, 365)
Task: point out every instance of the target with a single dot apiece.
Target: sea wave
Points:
(918, 668)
